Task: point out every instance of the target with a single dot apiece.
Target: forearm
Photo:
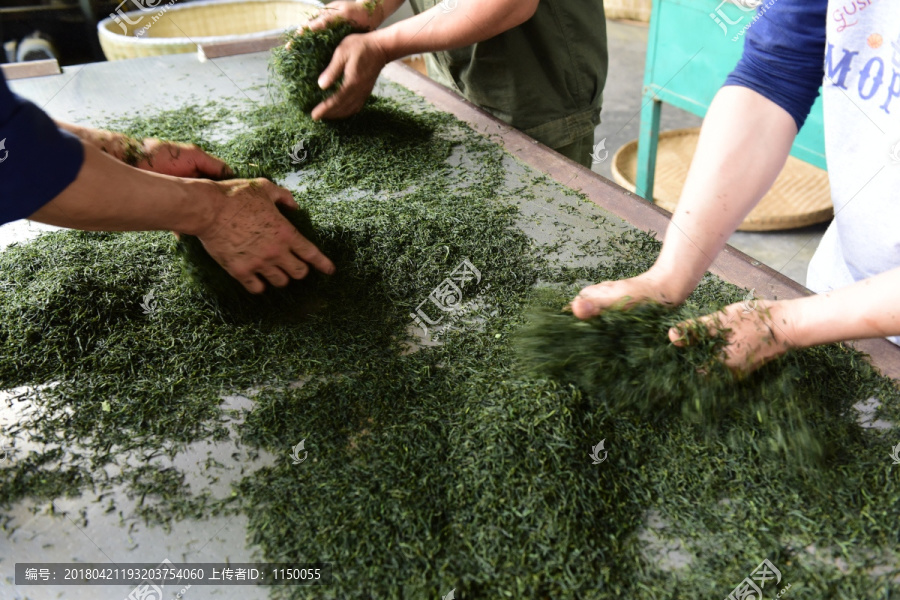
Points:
(869, 308)
(440, 28)
(108, 195)
(743, 145)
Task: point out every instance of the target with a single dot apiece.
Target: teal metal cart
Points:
(693, 45)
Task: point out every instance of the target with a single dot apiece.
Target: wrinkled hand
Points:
(252, 240)
(173, 158)
(353, 12)
(151, 154)
(625, 293)
(755, 333)
(359, 60)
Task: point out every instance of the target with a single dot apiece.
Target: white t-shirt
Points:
(861, 100)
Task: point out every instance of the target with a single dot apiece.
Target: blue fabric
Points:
(784, 55)
(38, 160)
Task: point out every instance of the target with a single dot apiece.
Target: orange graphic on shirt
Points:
(875, 40)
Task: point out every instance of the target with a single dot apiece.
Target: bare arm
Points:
(866, 309)
(453, 24)
(236, 220)
(151, 154)
(743, 145)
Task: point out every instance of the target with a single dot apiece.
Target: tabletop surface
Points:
(94, 94)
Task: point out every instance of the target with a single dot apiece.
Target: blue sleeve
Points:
(37, 160)
(784, 55)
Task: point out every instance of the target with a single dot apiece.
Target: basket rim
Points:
(104, 31)
(753, 223)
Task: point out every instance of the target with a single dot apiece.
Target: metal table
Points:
(95, 93)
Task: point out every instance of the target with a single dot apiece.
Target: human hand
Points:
(173, 158)
(250, 238)
(624, 293)
(754, 334)
(359, 60)
(363, 16)
(151, 154)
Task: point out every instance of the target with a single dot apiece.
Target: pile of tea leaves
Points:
(443, 466)
(623, 362)
(305, 54)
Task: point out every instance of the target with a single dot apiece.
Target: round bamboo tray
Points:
(178, 28)
(800, 196)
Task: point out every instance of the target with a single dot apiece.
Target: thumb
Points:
(678, 335)
(334, 70)
(593, 300)
(210, 166)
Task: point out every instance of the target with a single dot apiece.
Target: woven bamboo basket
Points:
(170, 28)
(799, 197)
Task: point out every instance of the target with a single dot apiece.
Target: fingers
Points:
(678, 335)
(252, 283)
(308, 252)
(583, 308)
(209, 166)
(328, 108)
(334, 70)
(687, 332)
(282, 196)
(275, 275)
(181, 160)
(260, 246)
(300, 250)
(318, 23)
(594, 299)
(321, 20)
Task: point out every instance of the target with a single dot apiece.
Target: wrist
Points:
(672, 283)
(200, 199)
(389, 43)
(791, 326)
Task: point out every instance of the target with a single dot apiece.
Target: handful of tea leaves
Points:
(623, 361)
(302, 59)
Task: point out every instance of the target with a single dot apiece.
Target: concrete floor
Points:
(786, 251)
